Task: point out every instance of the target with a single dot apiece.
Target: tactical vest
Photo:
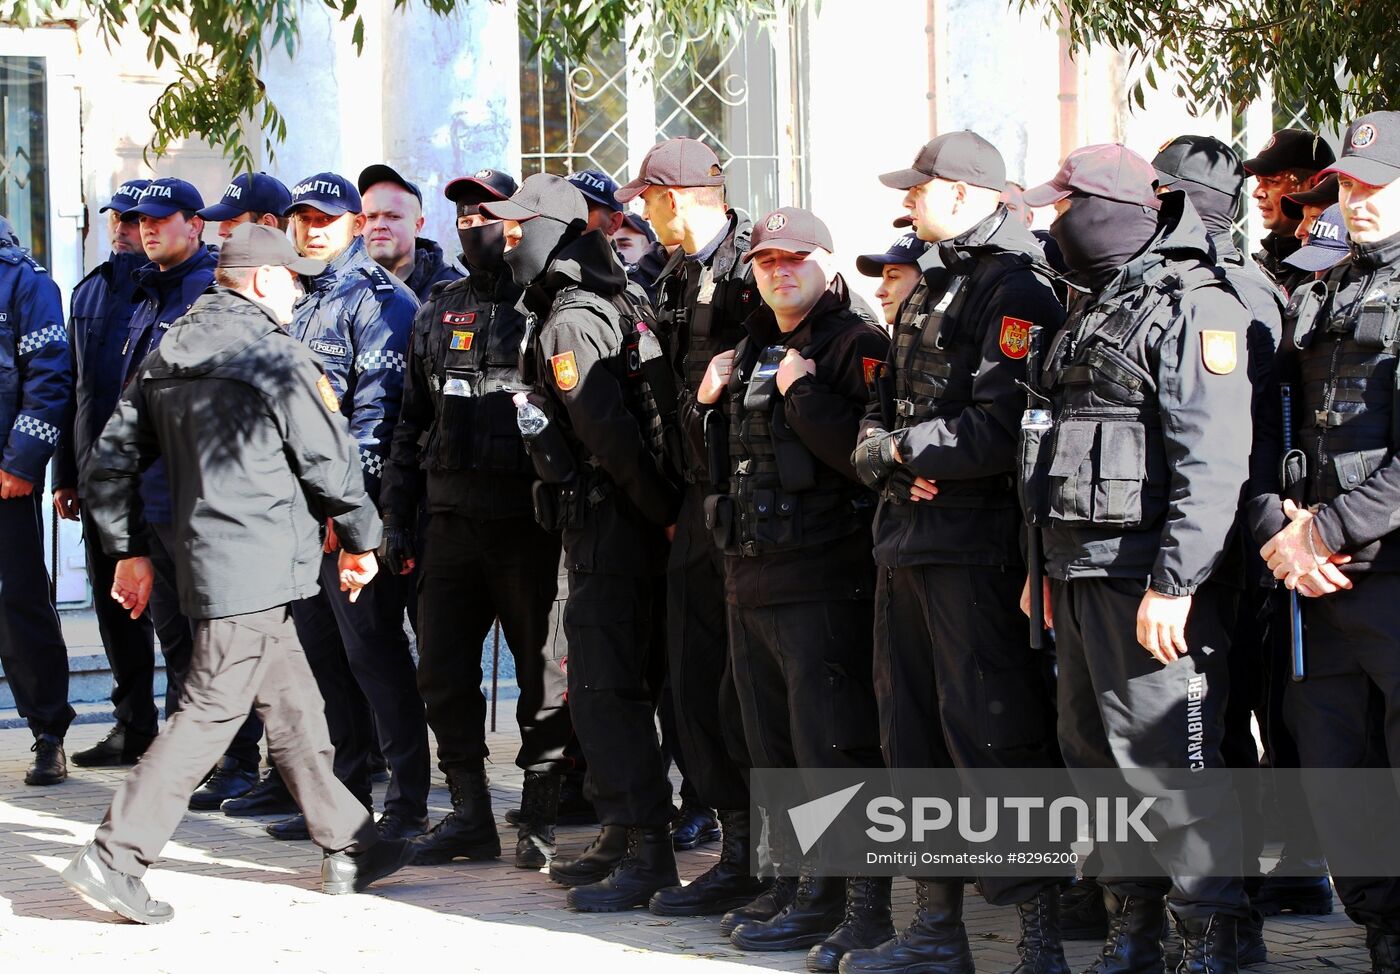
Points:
(1347, 360)
(1106, 461)
(471, 358)
(624, 312)
(780, 496)
(938, 341)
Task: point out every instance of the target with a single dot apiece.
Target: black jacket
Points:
(1205, 440)
(1272, 251)
(257, 458)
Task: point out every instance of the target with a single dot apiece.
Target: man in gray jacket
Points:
(246, 421)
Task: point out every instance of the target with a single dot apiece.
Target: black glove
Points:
(899, 487)
(396, 548)
(874, 459)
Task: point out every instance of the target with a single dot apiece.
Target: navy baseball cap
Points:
(1328, 243)
(1371, 152)
(128, 194)
(328, 192)
(906, 250)
(249, 193)
(487, 184)
(598, 187)
(380, 173)
(164, 197)
(640, 225)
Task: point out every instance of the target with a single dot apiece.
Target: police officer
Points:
(1327, 245)
(356, 317)
(1333, 537)
(484, 557)
(781, 410)
(36, 406)
(613, 512)
(959, 688)
(267, 453)
(898, 271)
(1307, 205)
(101, 307)
(1289, 162)
(705, 293)
(1136, 488)
(249, 198)
(393, 211)
(640, 252)
(179, 269)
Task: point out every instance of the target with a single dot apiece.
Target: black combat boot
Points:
(539, 806)
(1082, 915)
(1040, 948)
(466, 832)
(725, 886)
(1249, 934)
(1134, 941)
(649, 864)
(815, 911)
(395, 825)
(866, 923)
(1385, 950)
(122, 746)
(353, 872)
(574, 809)
(935, 942)
(50, 767)
(1207, 944)
(1304, 895)
(596, 862)
(764, 906)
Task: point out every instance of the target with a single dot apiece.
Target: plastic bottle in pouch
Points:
(553, 462)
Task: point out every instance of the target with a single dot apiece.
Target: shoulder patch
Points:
(325, 347)
(328, 396)
(380, 278)
(1015, 339)
(1218, 353)
(461, 341)
(870, 367)
(565, 371)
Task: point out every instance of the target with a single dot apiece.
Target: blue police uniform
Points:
(35, 402)
(357, 318)
(100, 312)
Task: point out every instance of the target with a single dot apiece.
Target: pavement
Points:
(245, 902)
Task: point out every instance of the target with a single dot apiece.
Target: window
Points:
(746, 100)
(23, 159)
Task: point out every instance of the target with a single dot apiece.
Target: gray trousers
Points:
(238, 661)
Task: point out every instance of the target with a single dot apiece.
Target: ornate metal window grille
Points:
(23, 155)
(747, 101)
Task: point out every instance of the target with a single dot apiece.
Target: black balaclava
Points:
(1096, 234)
(1216, 210)
(484, 248)
(540, 239)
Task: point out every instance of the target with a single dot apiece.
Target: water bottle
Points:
(528, 417)
(544, 444)
(648, 345)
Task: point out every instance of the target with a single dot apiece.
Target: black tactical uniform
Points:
(794, 526)
(1339, 354)
(704, 299)
(960, 688)
(484, 556)
(612, 509)
(1136, 487)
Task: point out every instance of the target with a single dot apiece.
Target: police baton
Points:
(1035, 422)
(1292, 469)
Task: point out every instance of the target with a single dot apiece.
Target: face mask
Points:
(539, 239)
(1096, 235)
(484, 248)
(1216, 210)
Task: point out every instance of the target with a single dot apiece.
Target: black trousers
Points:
(238, 661)
(1353, 654)
(360, 654)
(32, 651)
(1119, 707)
(709, 727)
(958, 684)
(129, 644)
(615, 625)
(176, 635)
(473, 572)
